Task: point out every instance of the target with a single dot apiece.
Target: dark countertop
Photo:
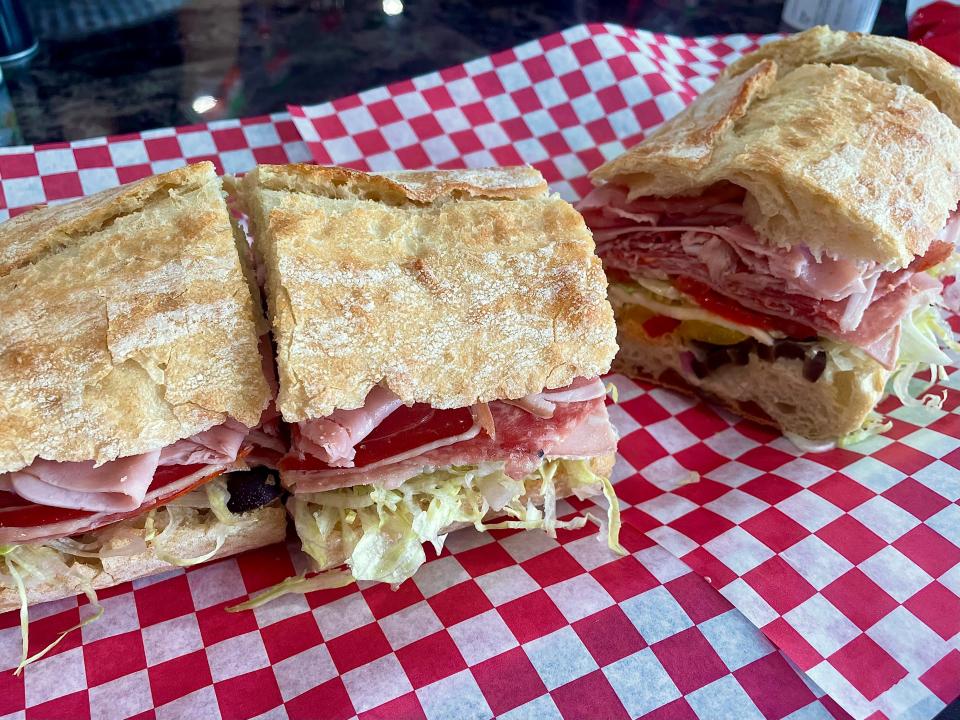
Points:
(114, 66)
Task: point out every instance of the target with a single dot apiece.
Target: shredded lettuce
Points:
(874, 424)
(23, 563)
(217, 498)
(297, 584)
(54, 561)
(613, 517)
(923, 335)
(613, 392)
(379, 532)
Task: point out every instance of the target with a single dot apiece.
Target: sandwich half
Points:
(777, 245)
(440, 337)
(133, 395)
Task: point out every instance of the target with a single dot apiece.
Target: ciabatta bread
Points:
(833, 157)
(772, 393)
(127, 324)
(447, 287)
(893, 60)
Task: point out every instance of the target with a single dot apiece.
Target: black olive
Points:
(739, 354)
(813, 367)
(766, 353)
(717, 357)
(699, 368)
(789, 350)
(251, 489)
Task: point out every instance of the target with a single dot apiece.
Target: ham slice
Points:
(121, 485)
(595, 435)
(521, 441)
(543, 404)
(12, 534)
(118, 486)
(333, 439)
(850, 301)
(217, 446)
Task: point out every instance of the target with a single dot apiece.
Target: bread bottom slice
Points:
(772, 393)
(193, 537)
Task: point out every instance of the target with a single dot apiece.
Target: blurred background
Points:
(116, 66)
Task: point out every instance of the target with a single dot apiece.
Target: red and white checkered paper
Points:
(518, 624)
(507, 623)
(849, 561)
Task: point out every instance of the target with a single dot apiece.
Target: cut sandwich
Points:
(440, 337)
(777, 245)
(133, 395)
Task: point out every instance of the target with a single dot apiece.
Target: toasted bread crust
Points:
(872, 165)
(189, 540)
(891, 59)
(127, 323)
(449, 288)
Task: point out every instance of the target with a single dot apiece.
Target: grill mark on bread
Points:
(38, 226)
(135, 336)
(440, 299)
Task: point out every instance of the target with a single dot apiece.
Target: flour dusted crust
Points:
(891, 59)
(831, 156)
(127, 323)
(192, 538)
(448, 287)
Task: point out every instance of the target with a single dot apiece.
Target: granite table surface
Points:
(115, 66)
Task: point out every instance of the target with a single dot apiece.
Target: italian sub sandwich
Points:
(777, 245)
(439, 340)
(134, 400)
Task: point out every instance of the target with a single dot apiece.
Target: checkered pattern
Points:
(848, 561)
(563, 104)
(506, 624)
(520, 625)
(517, 624)
(59, 172)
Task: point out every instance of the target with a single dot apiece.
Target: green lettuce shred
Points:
(54, 561)
(874, 424)
(23, 562)
(613, 392)
(380, 533)
(296, 584)
(923, 335)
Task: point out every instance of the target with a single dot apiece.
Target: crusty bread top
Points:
(448, 287)
(891, 59)
(127, 325)
(831, 158)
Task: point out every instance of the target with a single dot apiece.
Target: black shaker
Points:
(17, 41)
